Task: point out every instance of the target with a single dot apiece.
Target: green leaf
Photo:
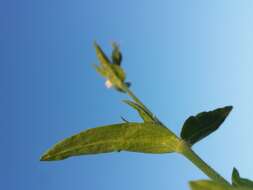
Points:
(134, 137)
(198, 127)
(105, 62)
(118, 72)
(237, 181)
(127, 84)
(100, 70)
(213, 185)
(208, 185)
(144, 114)
(116, 54)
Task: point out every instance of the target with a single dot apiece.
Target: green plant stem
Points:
(185, 149)
(137, 100)
(203, 166)
(131, 94)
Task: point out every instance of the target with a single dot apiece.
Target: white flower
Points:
(108, 84)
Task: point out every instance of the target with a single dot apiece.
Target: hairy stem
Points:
(138, 101)
(131, 94)
(185, 150)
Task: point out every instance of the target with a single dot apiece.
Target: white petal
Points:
(108, 84)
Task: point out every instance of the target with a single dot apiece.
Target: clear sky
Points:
(183, 57)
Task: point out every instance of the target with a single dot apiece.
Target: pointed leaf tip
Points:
(200, 126)
(45, 157)
(143, 113)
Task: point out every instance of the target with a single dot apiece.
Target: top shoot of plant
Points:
(150, 135)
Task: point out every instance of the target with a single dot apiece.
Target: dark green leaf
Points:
(134, 137)
(198, 127)
(237, 181)
(118, 72)
(116, 54)
(144, 114)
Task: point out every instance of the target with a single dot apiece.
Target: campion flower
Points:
(108, 84)
(111, 69)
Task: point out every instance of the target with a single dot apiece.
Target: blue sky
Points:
(183, 57)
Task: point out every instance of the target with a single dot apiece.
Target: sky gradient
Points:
(182, 57)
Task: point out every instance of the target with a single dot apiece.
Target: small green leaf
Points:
(209, 185)
(105, 62)
(118, 72)
(134, 137)
(116, 54)
(100, 70)
(237, 181)
(144, 114)
(198, 127)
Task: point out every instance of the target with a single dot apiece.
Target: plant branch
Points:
(138, 101)
(185, 150)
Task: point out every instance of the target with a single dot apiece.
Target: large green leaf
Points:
(198, 127)
(208, 185)
(237, 181)
(144, 114)
(134, 137)
(213, 185)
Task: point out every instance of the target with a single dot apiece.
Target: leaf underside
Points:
(134, 137)
(213, 185)
(198, 127)
(208, 185)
